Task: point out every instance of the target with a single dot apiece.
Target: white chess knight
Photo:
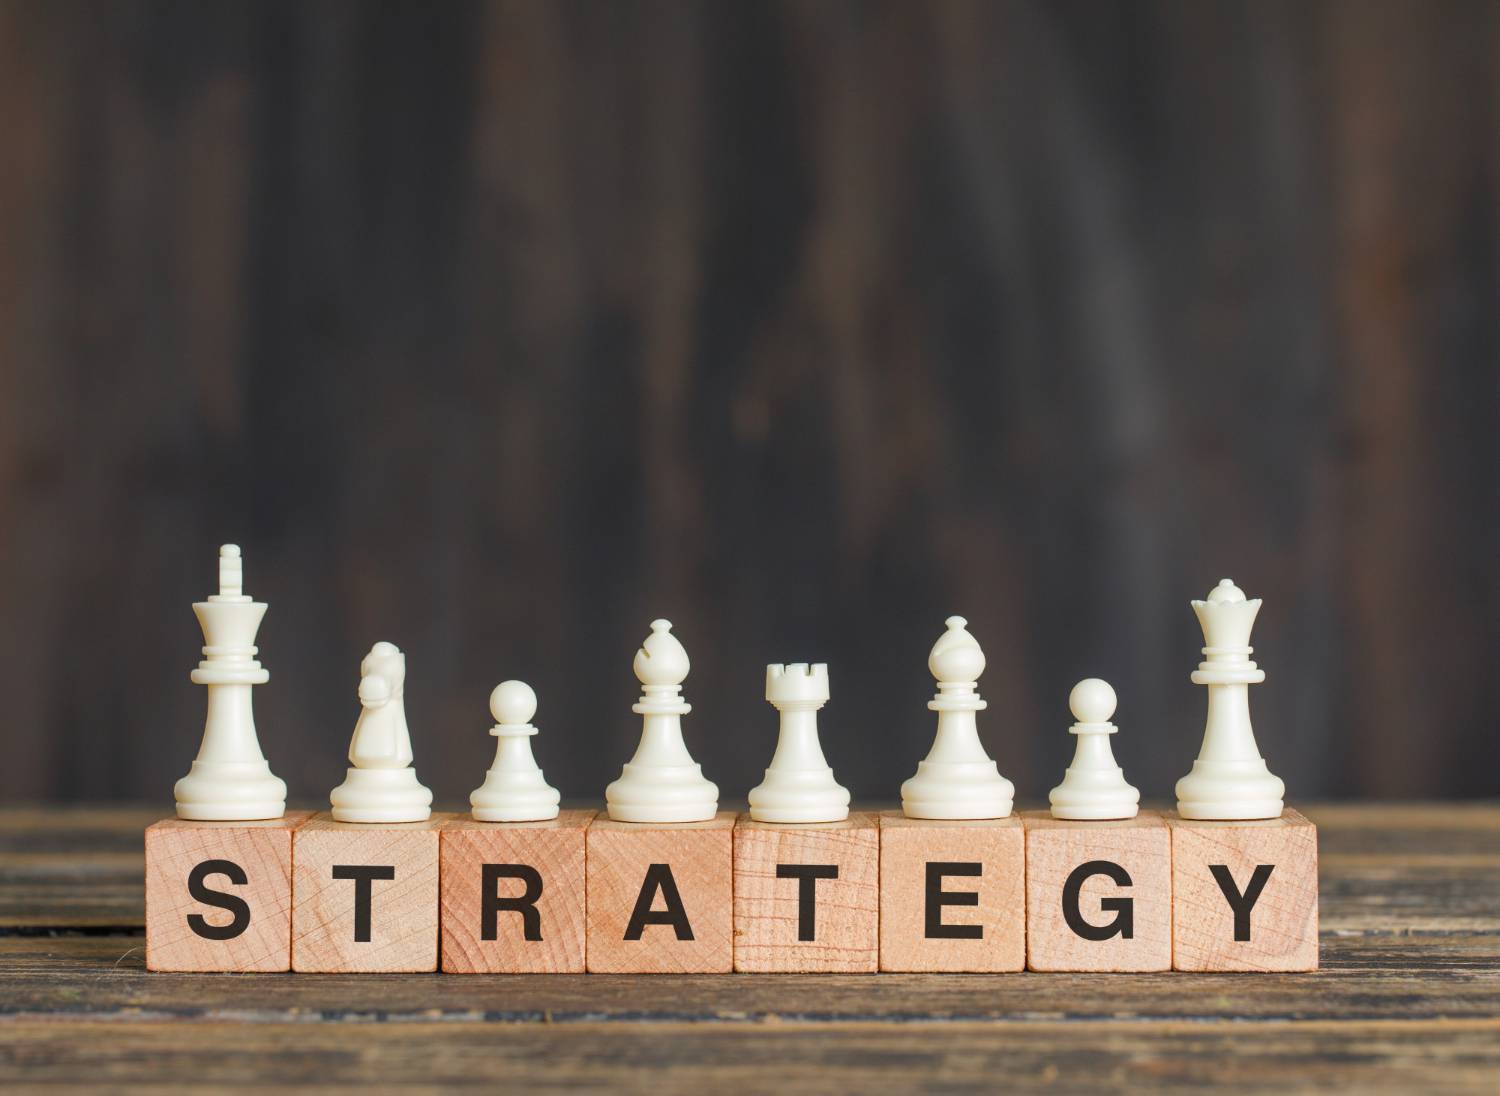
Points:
(662, 782)
(513, 789)
(799, 785)
(1229, 780)
(230, 780)
(958, 779)
(381, 785)
(1094, 786)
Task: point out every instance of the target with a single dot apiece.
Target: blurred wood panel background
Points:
(497, 330)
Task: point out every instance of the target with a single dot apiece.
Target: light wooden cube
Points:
(513, 895)
(807, 897)
(219, 894)
(952, 894)
(1098, 894)
(1244, 894)
(660, 896)
(365, 895)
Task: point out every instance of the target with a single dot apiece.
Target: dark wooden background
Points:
(498, 330)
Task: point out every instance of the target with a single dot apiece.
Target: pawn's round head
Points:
(513, 702)
(662, 660)
(956, 656)
(1092, 701)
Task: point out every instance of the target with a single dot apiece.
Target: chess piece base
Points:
(514, 812)
(230, 792)
(662, 794)
(957, 792)
(1230, 791)
(381, 795)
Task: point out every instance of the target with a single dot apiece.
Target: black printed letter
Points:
(937, 898)
(659, 878)
(363, 875)
(237, 906)
(1124, 923)
(807, 876)
(1242, 904)
(525, 904)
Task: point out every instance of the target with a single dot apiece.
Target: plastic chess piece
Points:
(1094, 786)
(799, 785)
(513, 789)
(662, 782)
(1230, 779)
(230, 781)
(381, 785)
(958, 779)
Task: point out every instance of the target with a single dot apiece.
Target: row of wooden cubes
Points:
(876, 892)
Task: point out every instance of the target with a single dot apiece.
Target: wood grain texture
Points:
(262, 850)
(1280, 929)
(699, 864)
(788, 924)
(1408, 996)
(399, 929)
(1056, 850)
(907, 846)
(555, 851)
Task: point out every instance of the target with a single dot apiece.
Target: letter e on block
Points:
(513, 895)
(1098, 894)
(952, 894)
(219, 894)
(1245, 894)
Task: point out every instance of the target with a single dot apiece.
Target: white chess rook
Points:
(1094, 786)
(957, 779)
(1229, 780)
(799, 785)
(381, 785)
(513, 789)
(230, 780)
(662, 782)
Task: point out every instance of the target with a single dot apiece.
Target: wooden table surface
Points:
(1408, 997)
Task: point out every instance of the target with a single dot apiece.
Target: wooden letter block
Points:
(1245, 894)
(513, 895)
(807, 897)
(952, 894)
(365, 895)
(219, 894)
(660, 896)
(1098, 894)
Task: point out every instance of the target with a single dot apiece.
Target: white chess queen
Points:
(381, 785)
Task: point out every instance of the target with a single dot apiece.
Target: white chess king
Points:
(957, 779)
(1094, 786)
(230, 780)
(662, 782)
(381, 785)
(513, 789)
(1229, 780)
(799, 785)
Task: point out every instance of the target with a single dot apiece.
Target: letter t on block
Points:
(365, 896)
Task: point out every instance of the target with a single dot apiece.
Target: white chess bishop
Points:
(662, 782)
(230, 780)
(381, 785)
(513, 789)
(957, 779)
(1094, 786)
(799, 785)
(1229, 780)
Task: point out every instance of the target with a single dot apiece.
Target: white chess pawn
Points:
(381, 785)
(958, 779)
(513, 789)
(230, 781)
(799, 785)
(662, 782)
(1230, 779)
(1094, 786)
